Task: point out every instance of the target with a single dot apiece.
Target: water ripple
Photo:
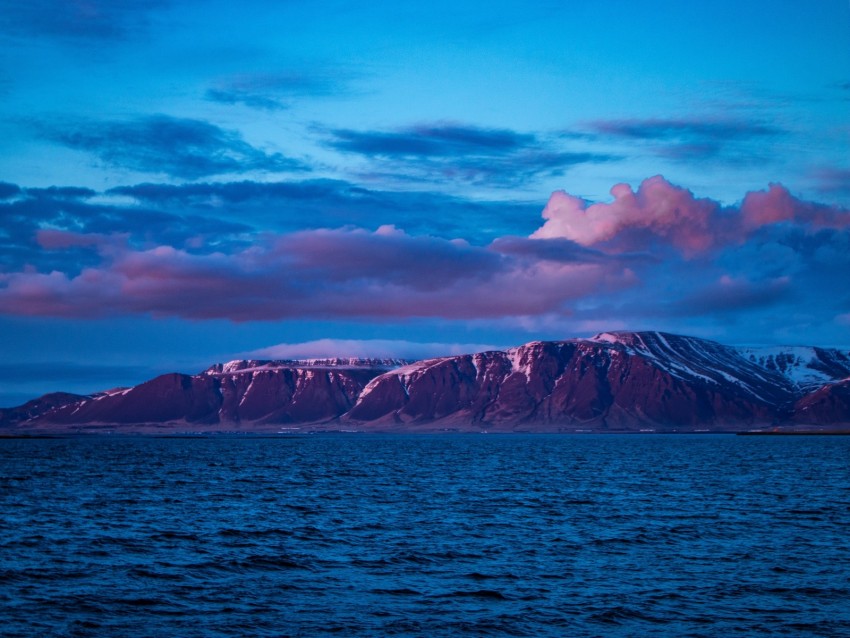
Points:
(425, 536)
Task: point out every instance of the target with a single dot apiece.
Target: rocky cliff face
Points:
(257, 394)
(627, 381)
(290, 395)
(828, 405)
(37, 407)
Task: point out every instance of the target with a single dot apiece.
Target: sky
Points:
(184, 182)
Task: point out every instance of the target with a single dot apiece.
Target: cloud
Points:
(554, 249)
(833, 181)
(312, 274)
(77, 20)
(463, 153)
(61, 193)
(431, 141)
(661, 214)
(388, 255)
(226, 216)
(254, 99)
(731, 294)
(777, 204)
(275, 91)
(690, 139)
(672, 129)
(291, 205)
(51, 239)
(367, 348)
(655, 257)
(160, 144)
(30, 215)
(8, 191)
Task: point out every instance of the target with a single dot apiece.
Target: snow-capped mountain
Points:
(615, 381)
(806, 367)
(611, 381)
(338, 363)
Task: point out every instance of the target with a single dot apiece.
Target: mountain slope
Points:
(230, 394)
(37, 407)
(615, 381)
(827, 405)
(807, 368)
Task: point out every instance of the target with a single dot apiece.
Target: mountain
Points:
(615, 381)
(827, 405)
(252, 393)
(37, 407)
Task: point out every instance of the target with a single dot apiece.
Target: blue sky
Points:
(185, 182)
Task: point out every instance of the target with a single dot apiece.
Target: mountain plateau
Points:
(613, 382)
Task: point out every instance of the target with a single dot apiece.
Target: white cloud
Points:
(367, 348)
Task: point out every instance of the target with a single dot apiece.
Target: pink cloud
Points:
(577, 265)
(319, 274)
(657, 208)
(774, 205)
(662, 213)
(777, 204)
(53, 239)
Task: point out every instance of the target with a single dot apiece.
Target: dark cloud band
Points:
(160, 144)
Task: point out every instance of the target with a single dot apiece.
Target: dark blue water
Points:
(426, 536)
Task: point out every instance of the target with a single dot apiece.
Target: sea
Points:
(438, 535)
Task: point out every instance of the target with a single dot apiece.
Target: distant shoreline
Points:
(287, 435)
(836, 433)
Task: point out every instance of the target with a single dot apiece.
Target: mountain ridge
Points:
(614, 381)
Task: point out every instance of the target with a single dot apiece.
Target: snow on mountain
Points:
(615, 381)
(245, 365)
(806, 367)
(691, 358)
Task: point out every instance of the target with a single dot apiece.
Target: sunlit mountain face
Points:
(613, 382)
